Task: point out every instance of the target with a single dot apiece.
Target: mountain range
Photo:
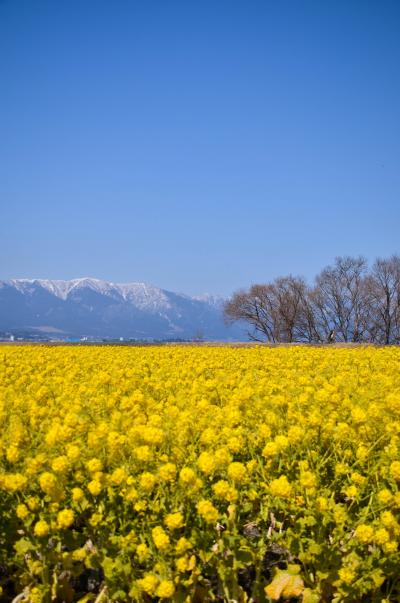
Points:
(93, 308)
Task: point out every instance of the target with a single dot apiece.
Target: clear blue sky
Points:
(197, 145)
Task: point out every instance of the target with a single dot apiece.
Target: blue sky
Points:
(199, 146)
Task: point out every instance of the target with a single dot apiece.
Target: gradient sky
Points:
(197, 145)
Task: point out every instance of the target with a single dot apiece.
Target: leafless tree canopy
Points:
(347, 302)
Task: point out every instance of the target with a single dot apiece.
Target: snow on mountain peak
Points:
(97, 308)
(96, 284)
(209, 298)
(142, 295)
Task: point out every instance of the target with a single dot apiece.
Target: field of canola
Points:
(194, 474)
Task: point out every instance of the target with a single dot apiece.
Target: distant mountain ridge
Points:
(90, 307)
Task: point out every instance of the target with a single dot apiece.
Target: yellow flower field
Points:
(199, 474)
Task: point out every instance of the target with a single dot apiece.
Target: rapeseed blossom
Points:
(41, 528)
(174, 521)
(176, 473)
(207, 511)
(65, 518)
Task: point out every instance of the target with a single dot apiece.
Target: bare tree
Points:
(384, 291)
(257, 308)
(308, 328)
(277, 311)
(287, 302)
(346, 304)
(339, 298)
(293, 303)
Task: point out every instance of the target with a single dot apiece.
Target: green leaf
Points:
(310, 596)
(23, 546)
(119, 595)
(244, 556)
(286, 583)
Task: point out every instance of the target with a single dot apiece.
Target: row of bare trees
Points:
(347, 302)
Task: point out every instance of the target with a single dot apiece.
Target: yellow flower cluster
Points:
(182, 473)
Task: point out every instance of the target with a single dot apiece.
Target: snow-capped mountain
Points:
(89, 307)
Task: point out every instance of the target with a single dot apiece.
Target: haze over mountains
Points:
(89, 307)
